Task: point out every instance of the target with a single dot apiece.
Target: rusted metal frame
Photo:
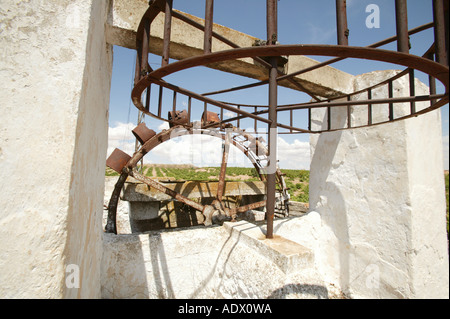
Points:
(341, 21)
(401, 22)
(160, 187)
(435, 106)
(111, 224)
(405, 99)
(376, 54)
(321, 64)
(155, 7)
(400, 58)
(137, 90)
(235, 46)
(223, 166)
(439, 31)
(167, 30)
(209, 11)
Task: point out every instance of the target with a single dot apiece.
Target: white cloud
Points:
(203, 150)
(121, 137)
(163, 126)
(229, 114)
(295, 155)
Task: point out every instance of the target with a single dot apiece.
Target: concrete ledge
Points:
(288, 255)
(233, 261)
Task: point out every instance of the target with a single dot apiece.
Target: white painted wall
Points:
(379, 192)
(55, 71)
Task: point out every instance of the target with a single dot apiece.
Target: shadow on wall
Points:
(316, 291)
(326, 197)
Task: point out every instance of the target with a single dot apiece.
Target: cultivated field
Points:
(296, 180)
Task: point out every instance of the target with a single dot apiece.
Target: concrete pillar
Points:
(55, 71)
(379, 192)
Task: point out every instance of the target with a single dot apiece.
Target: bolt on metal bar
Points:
(167, 29)
(439, 31)
(341, 21)
(401, 20)
(209, 10)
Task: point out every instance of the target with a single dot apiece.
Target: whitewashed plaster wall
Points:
(379, 192)
(55, 71)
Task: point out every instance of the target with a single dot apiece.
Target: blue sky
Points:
(299, 22)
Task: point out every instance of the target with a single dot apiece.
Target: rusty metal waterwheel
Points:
(217, 212)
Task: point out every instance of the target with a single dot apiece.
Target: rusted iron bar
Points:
(167, 29)
(198, 97)
(189, 108)
(209, 10)
(439, 31)
(174, 101)
(405, 99)
(412, 90)
(349, 113)
(341, 21)
(144, 51)
(272, 127)
(160, 97)
(369, 97)
(160, 187)
(223, 167)
(391, 104)
(401, 20)
(243, 209)
(328, 118)
(147, 98)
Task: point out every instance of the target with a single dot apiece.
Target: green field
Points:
(296, 180)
